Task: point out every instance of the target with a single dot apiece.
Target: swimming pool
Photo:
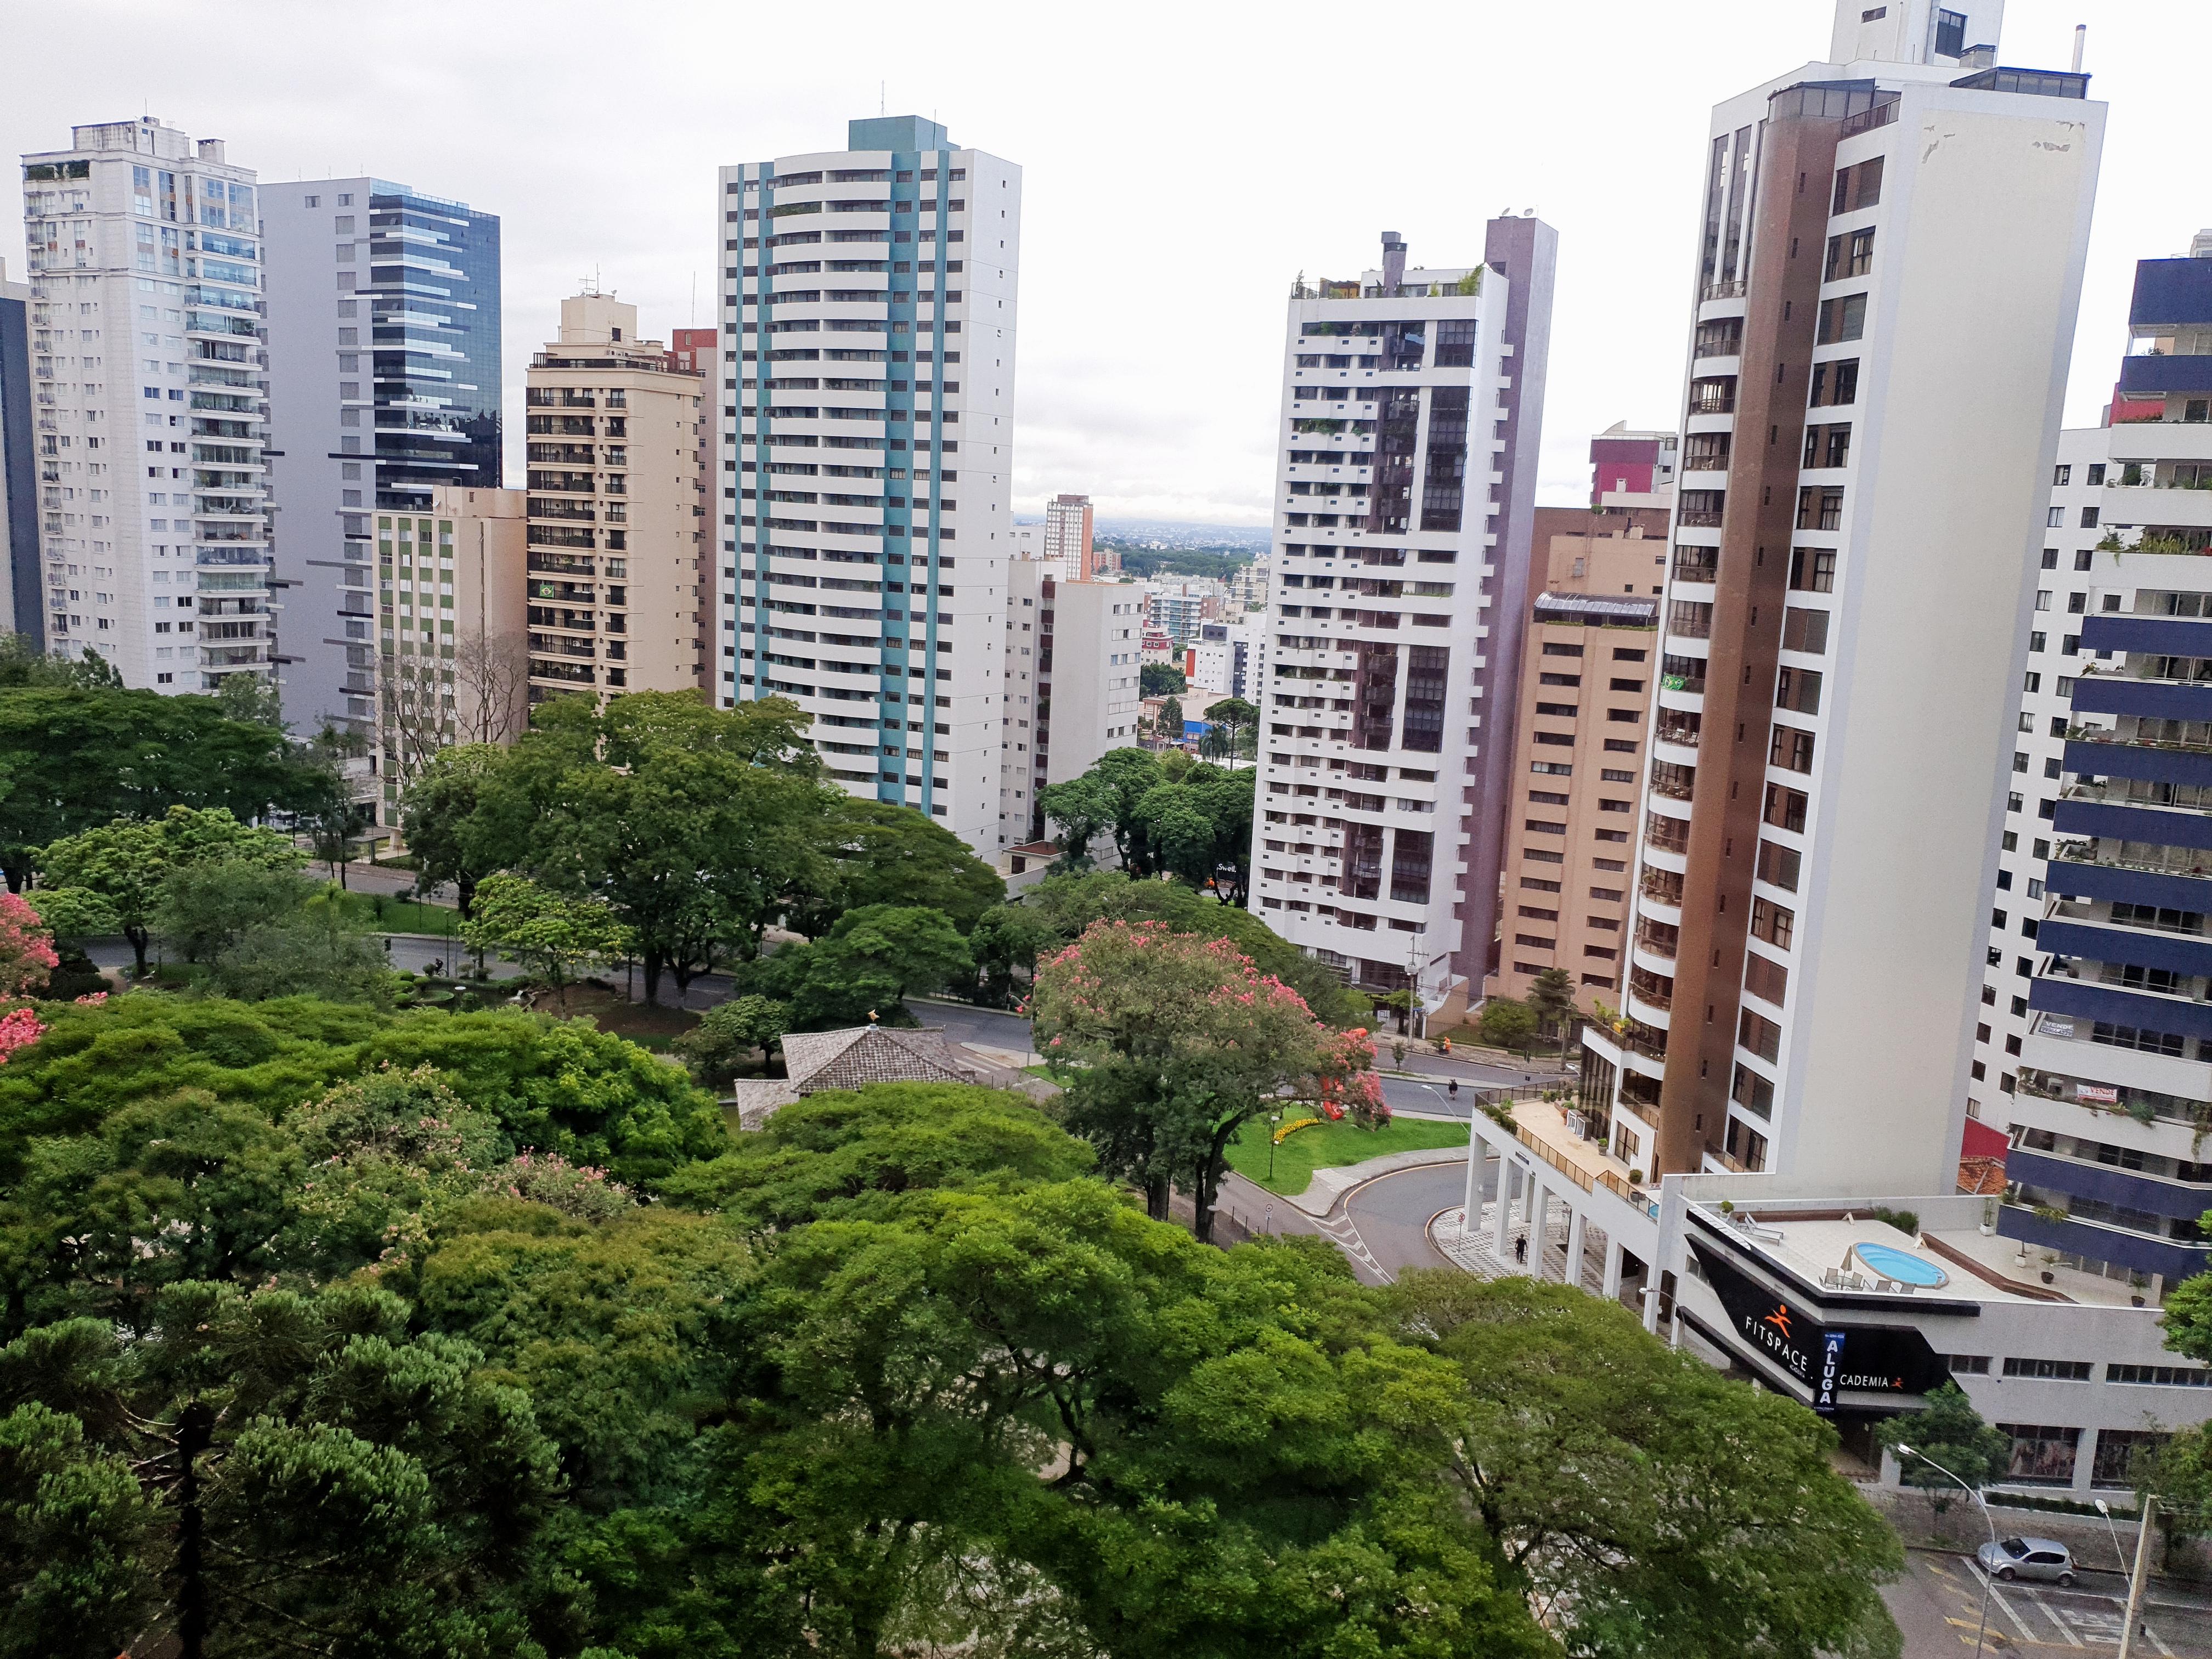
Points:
(1900, 1265)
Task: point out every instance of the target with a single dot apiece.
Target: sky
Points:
(1183, 163)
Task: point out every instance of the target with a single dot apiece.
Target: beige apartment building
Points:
(453, 668)
(614, 510)
(1587, 674)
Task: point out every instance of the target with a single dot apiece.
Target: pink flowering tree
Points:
(27, 948)
(1173, 1042)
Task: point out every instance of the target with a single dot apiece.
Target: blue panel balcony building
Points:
(2156, 377)
(2176, 636)
(2169, 295)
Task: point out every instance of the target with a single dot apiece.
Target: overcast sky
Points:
(1183, 163)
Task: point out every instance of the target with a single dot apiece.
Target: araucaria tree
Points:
(1178, 1041)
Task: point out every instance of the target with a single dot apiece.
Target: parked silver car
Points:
(2028, 1558)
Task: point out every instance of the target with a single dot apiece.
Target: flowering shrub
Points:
(27, 948)
(578, 1189)
(1346, 1081)
(1293, 1127)
(19, 1029)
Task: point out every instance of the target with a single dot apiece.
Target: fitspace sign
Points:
(1823, 1359)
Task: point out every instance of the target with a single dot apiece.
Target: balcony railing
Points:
(1735, 290)
(1661, 938)
(1697, 564)
(1663, 886)
(1674, 782)
(1653, 990)
(1681, 729)
(1667, 834)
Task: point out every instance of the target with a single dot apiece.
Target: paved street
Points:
(1937, 1604)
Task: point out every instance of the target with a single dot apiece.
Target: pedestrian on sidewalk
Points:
(1520, 1248)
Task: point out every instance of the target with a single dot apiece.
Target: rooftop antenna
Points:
(882, 97)
(2081, 44)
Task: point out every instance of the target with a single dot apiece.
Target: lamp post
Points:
(1904, 1450)
(2105, 1509)
(1274, 1122)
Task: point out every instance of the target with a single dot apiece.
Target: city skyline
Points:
(575, 200)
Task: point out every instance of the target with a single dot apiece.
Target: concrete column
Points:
(1577, 1220)
(1501, 1221)
(1477, 1154)
(1538, 1218)
(1614, 1260)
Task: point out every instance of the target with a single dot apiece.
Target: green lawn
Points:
(402, 916)
(1325, 1145)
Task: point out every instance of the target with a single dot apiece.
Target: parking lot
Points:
(1937, 1604)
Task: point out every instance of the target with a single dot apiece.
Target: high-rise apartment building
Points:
(1067, 528)
(384, 351)
(1587, 676)
(25, 605)
(1412, 404)
(696, 351)
(1889, 270)
(618, 530)
(868, 327)
(1073, 668)
(2092, 1044)
(151, 408)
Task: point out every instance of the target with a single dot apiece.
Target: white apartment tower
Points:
(1413, 400)
(1889, 265)
(151, 404)
(868, 327)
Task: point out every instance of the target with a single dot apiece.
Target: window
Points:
(1835, 383)
(2096, 474)
(1771, 921)
(2041, 1456)
(2164, 1376)
(1785, 809)
(1799, 690)
(1792, 749)
(1765, 978)
(1820, 508)
(1969, 1364)
(1751, 1091)
(1813, 569)
(1842, 318)
(1848, 255)
(2061, 1371)
(2117, 1451)
(1805, 630)
(1859, 187)
(1950, 34)
(2060, 476)
(1828, 445)
(1778, 867)
(2088, 518)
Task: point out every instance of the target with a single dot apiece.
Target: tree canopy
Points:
(352, 1302)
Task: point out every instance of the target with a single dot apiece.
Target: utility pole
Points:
(2142, 1572)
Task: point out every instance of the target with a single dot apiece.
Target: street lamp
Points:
(1904, 1450)
(2105, 1509)
(1274, 1122)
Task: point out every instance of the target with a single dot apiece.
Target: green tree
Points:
(881, 854)
(317, 949)
(1234, 732)
(695, 825)
(1506, 1024)
(1005, 941)
(331, 811)
(23, 663)
(438, 818)
(77, 757)
(73, 913)
(855, 1154)
(551, 935)
(1552, 999)
(1952, 1432)
(202, 909)
(1180, 1040)
(1652, 1505)
(1104, 801)
(729, 1034)
(128, 862)
(360, 1489)
(1160, 679)
(1170, 726)
(870, 961)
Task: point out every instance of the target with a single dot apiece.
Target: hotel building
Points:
(1412, 404)
(868, 328)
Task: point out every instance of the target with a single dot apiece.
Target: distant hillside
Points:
(1177, 560)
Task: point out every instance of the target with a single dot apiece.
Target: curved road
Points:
(1391, 1214)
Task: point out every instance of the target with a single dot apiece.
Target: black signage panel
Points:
(1826, 1360)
